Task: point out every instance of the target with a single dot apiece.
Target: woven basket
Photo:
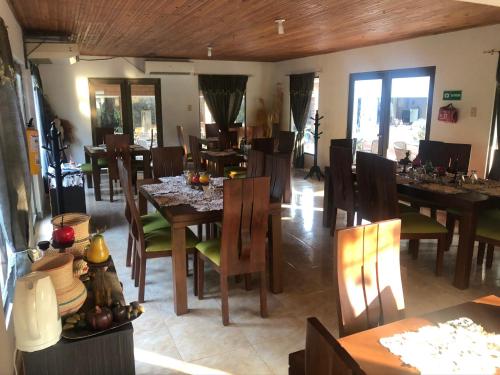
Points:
(78, 221)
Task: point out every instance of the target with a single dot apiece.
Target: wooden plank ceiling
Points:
(244, 29)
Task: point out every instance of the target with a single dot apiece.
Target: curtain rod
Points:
(222, 74)
(292, 74)
(492, 51)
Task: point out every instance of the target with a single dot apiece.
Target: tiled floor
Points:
(197, 343)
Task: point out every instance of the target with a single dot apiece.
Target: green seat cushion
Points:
(488, 227)
(404, 208)
(102, 162)
(86, 168)
(161, 240)
(234, 168)
(153, 221)
(211, 249)
(415, 223)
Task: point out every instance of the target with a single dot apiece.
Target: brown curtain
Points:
(223, 95)
(14, 169)
(496, 110)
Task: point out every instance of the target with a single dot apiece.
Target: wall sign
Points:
(452, 95)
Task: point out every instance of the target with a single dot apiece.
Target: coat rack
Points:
(315, 170)
(55, 150)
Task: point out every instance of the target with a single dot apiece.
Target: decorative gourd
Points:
(98, 251)
(99, 318)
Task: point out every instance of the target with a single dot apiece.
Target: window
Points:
(308, 137)
(206, 116)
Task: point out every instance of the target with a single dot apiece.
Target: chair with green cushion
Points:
(488, 233)
(241, 250)
(378, 200)
(182, 142)
(255, 166)
(155, 243)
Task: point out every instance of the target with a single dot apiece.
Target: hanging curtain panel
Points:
(223, 95)
(301, 88)
(496, 110)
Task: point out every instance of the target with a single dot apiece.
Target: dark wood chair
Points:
(328, 183)
(228, 140)
(342, 178)
(255, 166)
(266, 145)
(367, 275)
(459, 157)
(276, 170)
(211, 130)
(98, 138)
(182, 143)
(167, 161)
(241, 250)
(323, 354)
(378, 200)
(494, 173)
(147, 244)
(100, 135)
(433, 151)
(194, 146)
(116, 144)
(286, 141)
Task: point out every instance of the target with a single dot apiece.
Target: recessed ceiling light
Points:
(74, 59)
(281, 25)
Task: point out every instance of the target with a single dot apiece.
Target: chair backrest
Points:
(286, 141)
(115, 145)
(494, 173)
(349, 143)
(228, 140)
(276, 169)
(194, 146)
(377, 189)
(167, 161)
(244, 225)
(324, 355)
(433, 151)
(180, 139)
(458, 155)
(256, 163)
(342, 178)
(100, 135)
(266, 145)
(211, 130)
(367, 276)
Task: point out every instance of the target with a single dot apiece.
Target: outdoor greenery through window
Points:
(308, 137)
(206, 116)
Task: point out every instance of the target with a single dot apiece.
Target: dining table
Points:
(218, 160)
(182, 206)
(374, 358)
(94, 153)
(210, 142)
(467, 198)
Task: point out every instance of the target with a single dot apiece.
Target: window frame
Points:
(201, 97)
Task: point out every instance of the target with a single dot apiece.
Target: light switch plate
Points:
(473, 111)
(190, 107)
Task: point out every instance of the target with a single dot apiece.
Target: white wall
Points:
(66, 87)
(460, 64)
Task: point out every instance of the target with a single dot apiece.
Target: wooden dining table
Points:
(374, 358)
(182, 216)
(94, 153)
(217, 160)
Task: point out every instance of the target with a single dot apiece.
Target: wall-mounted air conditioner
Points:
(169, 67)
(53, 52)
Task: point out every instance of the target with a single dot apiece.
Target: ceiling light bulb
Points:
(209, 51)
(281, 26)
(74, 59)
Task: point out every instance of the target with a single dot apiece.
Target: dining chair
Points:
(228, 140)
(241, 249)
(458, 155)
(100, 135)
(147, 244)
(266, 145)
(286, 141)
(378, 200)
(276, 169)
(167, 161)
(494, 173)
(434, 152)
(255, 166)
(400, 150)
(97, 139)
(182, 143)
(211, 130)
(194, 146)
(323, 354)
(367, 276)
(342, 179)
(115, 145)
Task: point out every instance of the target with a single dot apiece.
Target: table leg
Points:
(96, 176)
(467, 231)
(219, 168)
(147, 165)
(88, 176)
(276, 254)
(143, 204)
(179, 269)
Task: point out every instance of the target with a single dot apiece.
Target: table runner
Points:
(173, 191)
(457, 346)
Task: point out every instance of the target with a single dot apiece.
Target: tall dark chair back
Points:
(194, 146)
(342, 180)
(211, 130)
(286, 141)
(115, 145)
(266, 145)
(100, 135)
(276, 169)
(255, 164)
(181, 139)
(349, 143)
(167, 161)
(433, 151)
(377, 189)
(368, 277)
(244, 223)
(228, 140)
(459, 156)
(494, 173)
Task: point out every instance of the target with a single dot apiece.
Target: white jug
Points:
(37, 324)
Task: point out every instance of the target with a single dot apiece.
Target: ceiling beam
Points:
(495, 3)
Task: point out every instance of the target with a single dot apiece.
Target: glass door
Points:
(390, 111)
